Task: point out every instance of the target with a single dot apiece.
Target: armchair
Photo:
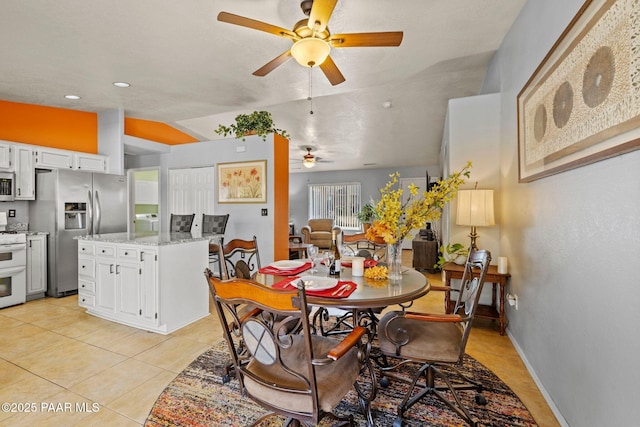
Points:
(318, 232)
(279, 363)
(434, 341)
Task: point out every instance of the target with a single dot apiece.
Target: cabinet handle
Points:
(126, 253)
(110, 268)
(117, 269)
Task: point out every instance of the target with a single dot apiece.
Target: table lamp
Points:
(475, 209)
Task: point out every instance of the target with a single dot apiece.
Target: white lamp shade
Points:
(308, 163)
(475, 208)
(310, 51)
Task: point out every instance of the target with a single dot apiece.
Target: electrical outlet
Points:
(12, 213)
(513, 300)
(264, 212)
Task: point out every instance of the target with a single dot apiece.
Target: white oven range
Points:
(13, 262)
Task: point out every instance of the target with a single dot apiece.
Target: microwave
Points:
(7, 186)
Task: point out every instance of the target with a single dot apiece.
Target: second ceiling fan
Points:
(313, 40)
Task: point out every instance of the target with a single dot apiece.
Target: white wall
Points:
(245, 219)
(573, 240)
(474, 135)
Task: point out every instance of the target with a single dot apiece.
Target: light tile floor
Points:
(62, 367)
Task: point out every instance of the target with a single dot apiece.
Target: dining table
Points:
(368, 294)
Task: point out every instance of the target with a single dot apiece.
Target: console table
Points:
(454, 271)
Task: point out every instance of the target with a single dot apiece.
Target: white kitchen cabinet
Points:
(86, 275)
(25, 173)
(90, 162)
(5, 155)
(52, 158)
(64, 159)
(146, 192)
(159, 288)
(36, 266)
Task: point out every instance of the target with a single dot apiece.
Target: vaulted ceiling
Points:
(193, 72)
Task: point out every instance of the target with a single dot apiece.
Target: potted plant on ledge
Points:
(257, 123)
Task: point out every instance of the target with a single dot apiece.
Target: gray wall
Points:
(371, 180)
(573, 240)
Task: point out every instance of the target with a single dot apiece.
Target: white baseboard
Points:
(547, 397)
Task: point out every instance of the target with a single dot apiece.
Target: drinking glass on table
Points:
(312, 253)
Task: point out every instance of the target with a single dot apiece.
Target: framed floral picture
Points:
(242, 182)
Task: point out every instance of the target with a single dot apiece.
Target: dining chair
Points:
(358, 245)
(241, 258)
(279, 363)
(181, 223)
(436, 343)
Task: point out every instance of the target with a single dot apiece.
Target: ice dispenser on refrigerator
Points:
(75, 216)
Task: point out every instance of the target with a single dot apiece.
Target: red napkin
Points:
(367, 263)
(278, 272)
(284, 284)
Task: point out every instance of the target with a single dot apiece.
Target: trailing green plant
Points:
(258, 122)
(367, 214)
(450, 252)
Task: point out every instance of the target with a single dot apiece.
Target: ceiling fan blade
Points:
(320, 13)
(230, 18)
(273, 64)
(390, 38)
(330, 69)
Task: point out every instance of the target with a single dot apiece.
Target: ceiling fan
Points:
(309, 160)
(312, 39)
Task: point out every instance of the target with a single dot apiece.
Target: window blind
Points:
(341, 202)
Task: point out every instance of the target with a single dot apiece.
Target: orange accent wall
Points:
(281, 197)
(156, 131)
(49, 126)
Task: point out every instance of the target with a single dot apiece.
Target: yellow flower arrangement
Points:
(395, 220)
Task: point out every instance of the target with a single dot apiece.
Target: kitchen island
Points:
(149, 281)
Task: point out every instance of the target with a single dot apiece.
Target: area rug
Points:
(197, 397)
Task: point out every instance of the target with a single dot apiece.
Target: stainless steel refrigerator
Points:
(69, 204)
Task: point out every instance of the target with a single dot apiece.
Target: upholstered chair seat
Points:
(334, 380)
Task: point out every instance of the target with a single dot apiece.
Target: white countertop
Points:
(152, 239)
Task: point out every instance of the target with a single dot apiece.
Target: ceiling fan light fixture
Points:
(308, 163)
(310, 51)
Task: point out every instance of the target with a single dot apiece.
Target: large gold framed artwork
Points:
(242, 182)
(585, 94)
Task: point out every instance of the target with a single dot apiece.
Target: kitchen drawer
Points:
(129, 253)
(87, 267)
(86, 300)
(106, 251)
(86, 248)
(86, 287)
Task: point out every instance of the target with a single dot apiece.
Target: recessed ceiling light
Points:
(74, 97)
(121, 84)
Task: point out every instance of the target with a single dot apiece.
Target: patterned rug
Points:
(197, 397)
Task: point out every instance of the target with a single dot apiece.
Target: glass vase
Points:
(394, 260)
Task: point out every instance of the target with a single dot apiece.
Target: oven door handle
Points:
(12, 247)
(13, 270)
